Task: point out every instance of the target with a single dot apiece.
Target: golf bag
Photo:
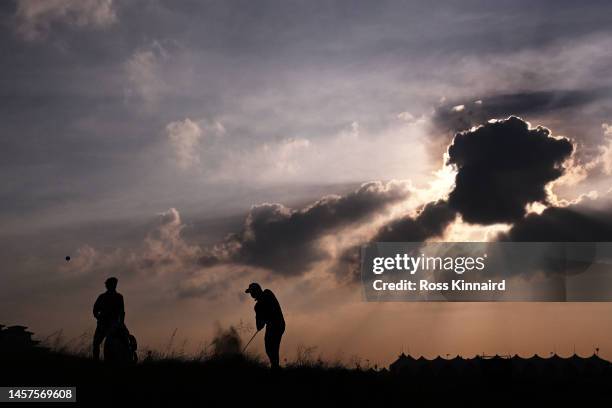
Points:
(120, 346)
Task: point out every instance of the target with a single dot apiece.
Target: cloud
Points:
(185, 137)
(280, 160)
(286, 153)
(596, 168)
(502, 167)
(299, 156)
(563, 224)
(35, 18)
(460, 115)
(604, 158)
(163, 249)
(206, 289)
(162, 258)
(84, 260)
(285, 240)
(215, 282)
(606, 150)
(144, 74)
(407, 116)
(457, 117)
(587, 221)
(430, 221)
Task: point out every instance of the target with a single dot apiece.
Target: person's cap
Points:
(253, 287)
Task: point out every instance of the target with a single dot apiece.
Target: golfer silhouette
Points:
(110, 313)
(268, 313)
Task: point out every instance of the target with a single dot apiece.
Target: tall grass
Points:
(226, 343)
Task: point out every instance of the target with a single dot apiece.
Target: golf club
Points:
(247, 345)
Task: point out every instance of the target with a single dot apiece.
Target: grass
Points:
(227, 380)
(211, 378)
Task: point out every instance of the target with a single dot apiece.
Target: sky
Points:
(191, 147)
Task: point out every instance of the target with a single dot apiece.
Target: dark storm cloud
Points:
(285, 240)
(562, 224)
(501, 167)
(554, 230)
(429, 222)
